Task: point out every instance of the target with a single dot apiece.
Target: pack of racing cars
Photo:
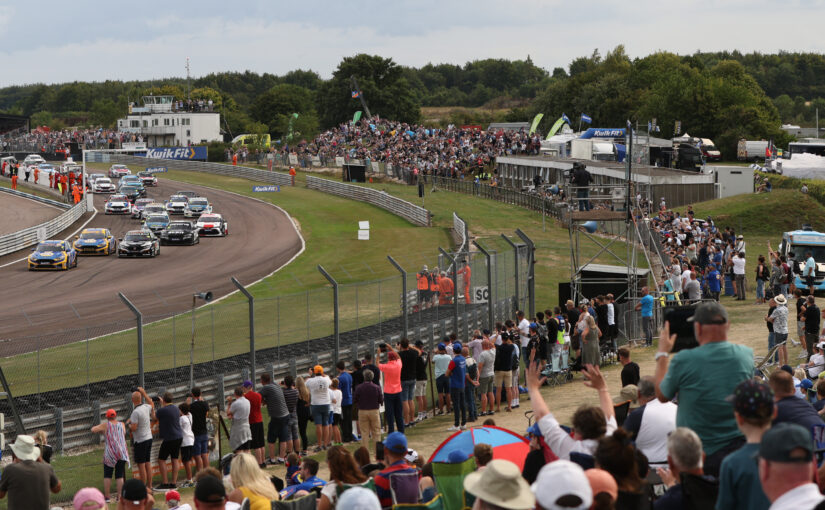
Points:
(127, 196)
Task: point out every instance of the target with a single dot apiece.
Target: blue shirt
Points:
(458, 367)
(713, 281)
(647, 306)
(810, 267)
(345, 385)
(306, 485)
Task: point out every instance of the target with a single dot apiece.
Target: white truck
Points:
(751, 150)
(592, 149)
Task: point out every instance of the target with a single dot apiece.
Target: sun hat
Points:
(629, 392)
(780, 299)
(562, 478)
(24, 448)
(89, 498)
(501, 484)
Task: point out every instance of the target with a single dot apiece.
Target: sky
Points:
(54, 41)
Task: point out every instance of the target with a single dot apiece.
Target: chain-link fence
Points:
(62, 381)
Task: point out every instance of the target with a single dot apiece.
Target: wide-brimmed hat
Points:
(24, 448)
(501, 484)
(780, 299)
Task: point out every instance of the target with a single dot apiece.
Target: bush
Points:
(816, 187)
(216, 152)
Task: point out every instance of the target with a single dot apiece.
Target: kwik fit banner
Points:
(187, 153)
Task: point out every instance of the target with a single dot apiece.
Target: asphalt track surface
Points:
(17, 213)
(261, 239)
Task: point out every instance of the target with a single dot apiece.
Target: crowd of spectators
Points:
(45, 140)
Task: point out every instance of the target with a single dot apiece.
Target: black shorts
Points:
(424, 295)
(336, 419)
(809, 281)
(186, 453)
(244, 446)
(119, 470)
(170, 448)
(278, 430)
(143, 451)
(257, 434)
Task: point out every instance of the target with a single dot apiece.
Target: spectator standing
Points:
(812, 320)
(291, 398)
(590, 340)
(762, 275)
(140, 424)
(693, 290)
(115, 452)
(786, 468)
(703, 377)
(738, 264)
(256, 422)
(240, 435)
(779, 319)
(503, 371)
(320, 402)
(393, 407)
(470, 384)
(408, 357)
(739, 487)
(809, 272)
(457, 372)
(345, 385)
(646, 307)
(42, 442)
(523, 326)
(186, 446)
(274, 398)
(486, 375)
(171, 436)
(421, 364)
(769, 323)
(335, 412)
(800, 322)
(441, 361)
(630, 369)
(303, 410)
(199, 409)
(26, 481)
(368, 399)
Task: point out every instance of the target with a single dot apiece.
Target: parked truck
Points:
(751, 150)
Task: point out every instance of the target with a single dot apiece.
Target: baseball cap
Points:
(358, 498)
(111, 413)
(787, 368)
(782, 442)
(457, 348)
(562, 478)
(89, 498)
(247, 384)
(752, 399)
(396, 442)
(210, 490)
(709, 313)
(441, 347)
(456, 457)
(170, 495)
(133, 490)
(411, 456)
(533, 325)
(318, 369)
(820, 345)
(602, 481)
(806, 384)
(419, 343)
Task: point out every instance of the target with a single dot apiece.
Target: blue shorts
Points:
(320, 413)
(407, 390)
(201, 445)
(442, 384)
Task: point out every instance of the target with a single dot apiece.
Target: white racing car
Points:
(176, 204)
(118, 171)
(118, 204)
(212, 224)
(103, 185)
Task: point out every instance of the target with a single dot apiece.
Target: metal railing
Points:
(10, 243)
(412, 213)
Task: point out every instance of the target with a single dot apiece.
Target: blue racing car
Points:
(52, 255)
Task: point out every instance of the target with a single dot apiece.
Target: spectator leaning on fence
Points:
(115, 452)
(140, 424)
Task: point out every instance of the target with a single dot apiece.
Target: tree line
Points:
(723, 95)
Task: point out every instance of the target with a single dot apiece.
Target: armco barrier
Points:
(252, 174)
(413, 213)
(21, 239)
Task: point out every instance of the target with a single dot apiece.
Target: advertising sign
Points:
(266, 189)
(190, 153)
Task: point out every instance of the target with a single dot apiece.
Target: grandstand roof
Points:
(12, 122)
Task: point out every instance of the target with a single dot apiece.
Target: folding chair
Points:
(449, 481)
(621, 411)
(404, 488)
(309, 502)
(761, 363)
(818, 433)
(553, 370)
(565, 365)
(341, 487)
(437, 503)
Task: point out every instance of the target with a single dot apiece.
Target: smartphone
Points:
(677, 317)
(379, 450)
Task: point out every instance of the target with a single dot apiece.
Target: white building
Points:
(164, 122)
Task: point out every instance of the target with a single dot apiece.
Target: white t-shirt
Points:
(817, 365)
(524, 332)
(142, 416)
(611, 314)
(336, 396)
(738, 265)
(186, 427)
(685, 277)
(318, 387)
(658, 421)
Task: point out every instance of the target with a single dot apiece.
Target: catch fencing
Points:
(413, 213)
(22, 239)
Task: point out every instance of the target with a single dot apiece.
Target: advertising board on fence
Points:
(190, 153)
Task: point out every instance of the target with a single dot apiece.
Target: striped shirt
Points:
(115, 444)
(382, 481)
(291, 398)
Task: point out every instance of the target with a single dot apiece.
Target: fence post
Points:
(455, 281)
(531, 271)
(515, 253)
(251, 327)
(293, 367)
(139, 319)
(96, 412)
(489, 282)
(334, 284)
(221, 392)
(404, 311)
(58, 429)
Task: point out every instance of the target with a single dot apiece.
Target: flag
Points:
(559, 123)
(356, 117)
(355, 94)
(565, 118)
(586, 118)
(649, 126)
(536, 121)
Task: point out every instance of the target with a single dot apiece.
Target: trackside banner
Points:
(187, 153)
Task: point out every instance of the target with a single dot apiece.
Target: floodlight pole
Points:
(251, 328)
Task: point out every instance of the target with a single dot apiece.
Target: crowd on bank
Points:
(44, 140)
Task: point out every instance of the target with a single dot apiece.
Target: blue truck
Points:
(795, 245)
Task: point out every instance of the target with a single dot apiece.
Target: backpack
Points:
(786, 273)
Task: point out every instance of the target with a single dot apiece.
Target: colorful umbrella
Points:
(506, 444)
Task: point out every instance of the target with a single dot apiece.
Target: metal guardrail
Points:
(10, 243)
(253, 174)
(413, 213)
(460, 232)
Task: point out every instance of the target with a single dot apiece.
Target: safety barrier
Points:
(253, 174)
(412, 213)
(10, 243)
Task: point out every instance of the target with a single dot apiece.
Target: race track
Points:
(261, 239)
(17, 213)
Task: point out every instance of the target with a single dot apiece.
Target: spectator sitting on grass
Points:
(343, 470)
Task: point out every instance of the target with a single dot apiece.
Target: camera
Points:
(382, 347)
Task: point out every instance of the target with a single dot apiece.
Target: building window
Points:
(165, 122)
(154, 122)
(188, 133)
(134, 123)
(145, 123)
(185, 122)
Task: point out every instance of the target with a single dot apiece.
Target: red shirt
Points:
(254, 399)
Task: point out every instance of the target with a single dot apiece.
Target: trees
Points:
(275, 106)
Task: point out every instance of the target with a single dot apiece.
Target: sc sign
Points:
(481, 294)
